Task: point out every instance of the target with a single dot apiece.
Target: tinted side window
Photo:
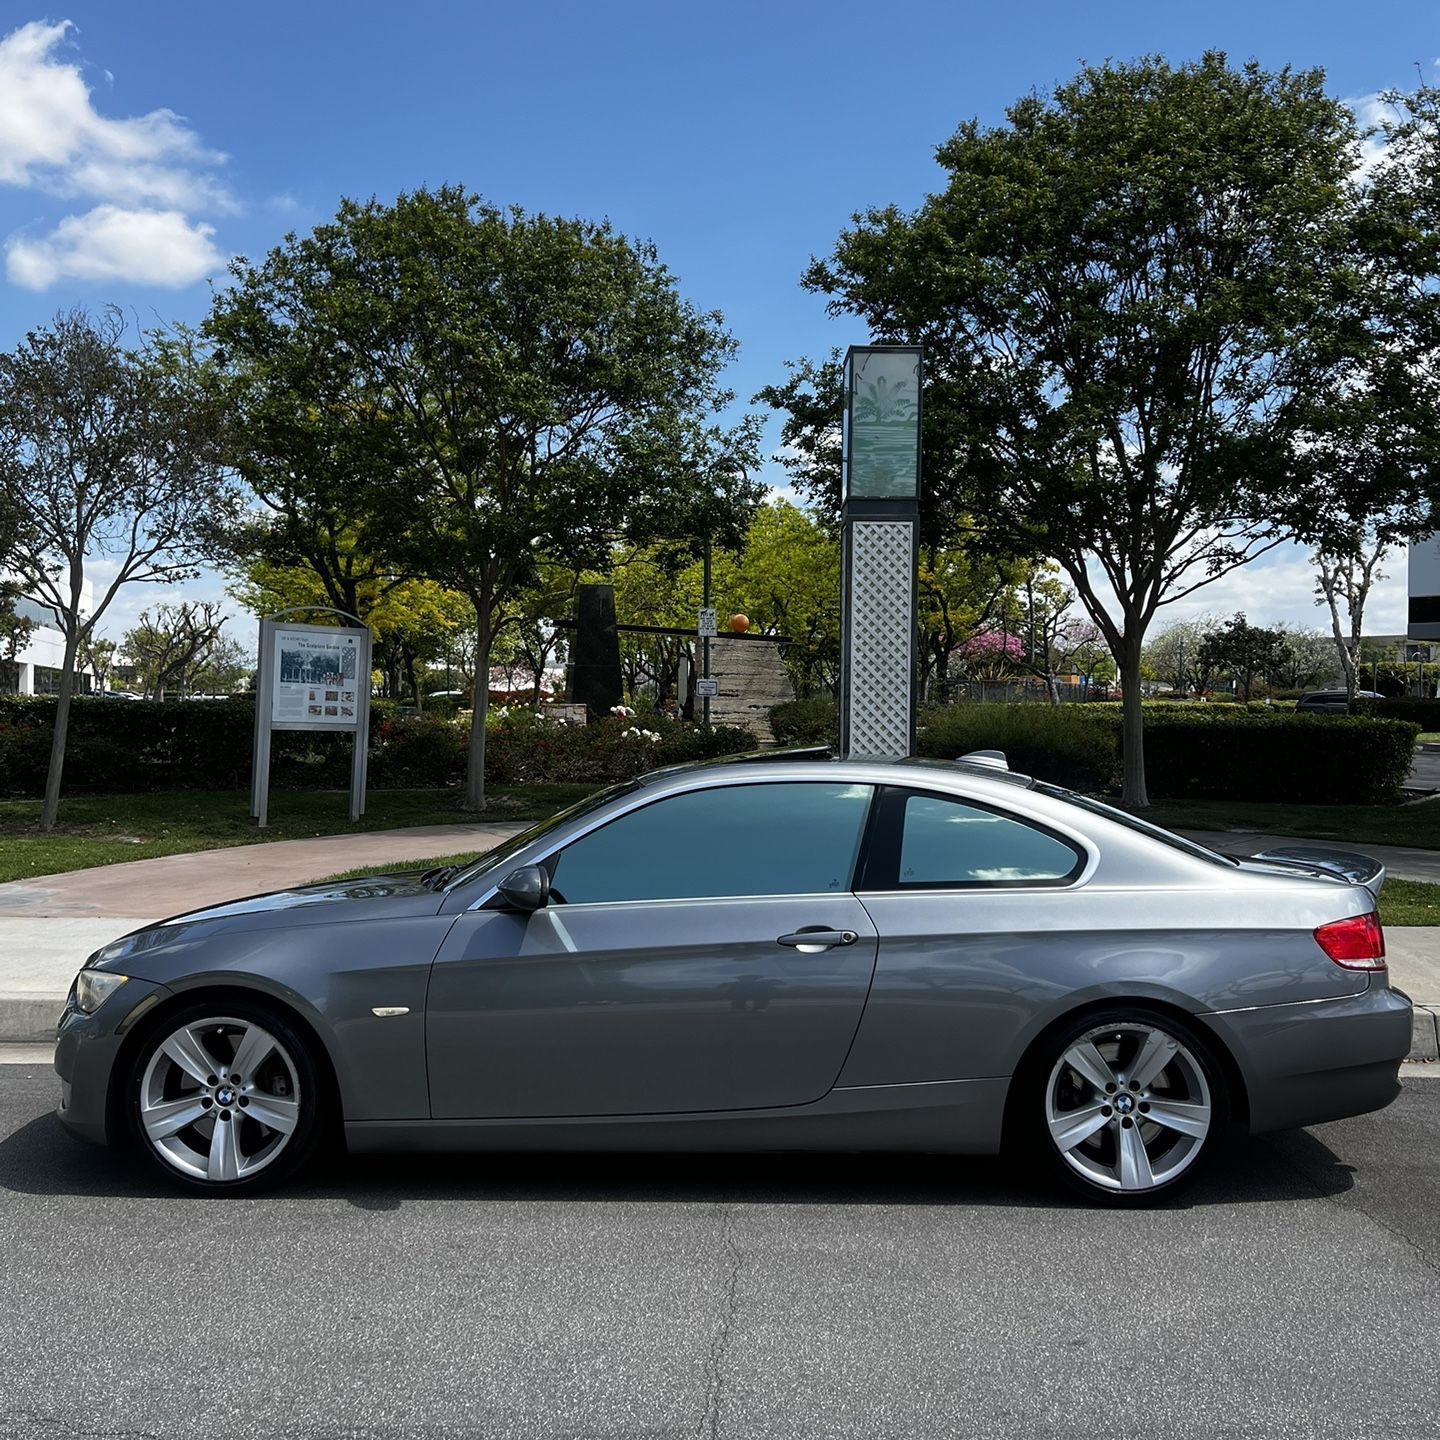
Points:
(947, 842)
(766, 839)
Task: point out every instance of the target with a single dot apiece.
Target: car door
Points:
(970, 901)
(670, 972)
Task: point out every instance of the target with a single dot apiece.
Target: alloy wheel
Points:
(220, 1099)
(1128, 1107)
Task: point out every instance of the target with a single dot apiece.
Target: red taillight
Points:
(1357, 943)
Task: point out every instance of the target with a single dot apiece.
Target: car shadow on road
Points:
(41, 1158)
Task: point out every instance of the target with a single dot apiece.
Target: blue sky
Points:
(146, 143)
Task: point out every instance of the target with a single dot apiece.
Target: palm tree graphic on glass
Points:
(882, 446)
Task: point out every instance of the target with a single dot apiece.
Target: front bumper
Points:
(1322, 1060)
(86, 1049)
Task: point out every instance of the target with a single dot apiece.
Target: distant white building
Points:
(35, 669)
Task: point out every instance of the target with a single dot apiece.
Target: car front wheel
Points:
(1132, 1103)
(224, 1098)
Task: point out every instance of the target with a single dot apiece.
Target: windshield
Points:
(1130, 822)
(516, 843)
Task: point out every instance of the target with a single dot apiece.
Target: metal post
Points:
(260, 753)
(879, 512)
(705, 643)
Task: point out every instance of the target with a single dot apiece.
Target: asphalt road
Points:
(1292, 1294)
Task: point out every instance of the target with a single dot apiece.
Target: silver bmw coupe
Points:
(788, 953)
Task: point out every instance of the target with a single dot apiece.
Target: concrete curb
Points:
(1425, 1033)
(29, 1019)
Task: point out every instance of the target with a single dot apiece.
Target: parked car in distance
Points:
(780, 954)
(1332, 702)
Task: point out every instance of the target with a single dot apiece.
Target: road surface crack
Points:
(1346, 1206)
(720, 1346)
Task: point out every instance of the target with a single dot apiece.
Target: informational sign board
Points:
(707, 689)
(705, 625)
(311, 677)
(317, 677)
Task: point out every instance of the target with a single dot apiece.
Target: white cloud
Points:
(1279, 588)
(1370, 111)
(144, 247)
(149, 172)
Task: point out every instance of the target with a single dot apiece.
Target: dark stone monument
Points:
(595, 655)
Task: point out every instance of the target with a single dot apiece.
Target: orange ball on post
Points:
(739, 623)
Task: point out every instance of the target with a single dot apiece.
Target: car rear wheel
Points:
(224, 1098)
(1131, 1104)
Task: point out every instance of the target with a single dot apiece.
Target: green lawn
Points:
(1417, 825)
(1409, 902)
(102, 829)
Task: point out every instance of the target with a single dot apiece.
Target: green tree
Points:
(1174, 653)
(171, 643)
(1244, 652)
(786, 579)
(962, 593)
(1309, 660)
(412, 621)
(110, 455)
(509, 387)
(97, 658)
(1127, 294)
(14, 629)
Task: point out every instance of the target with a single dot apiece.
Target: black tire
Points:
(1104, 1167)
(286, 1087)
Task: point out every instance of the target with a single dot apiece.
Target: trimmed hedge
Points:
(1074, 745)
(1297, 759)
(1424, 713)
(124, 746)
(1230, 752)
(805, 722)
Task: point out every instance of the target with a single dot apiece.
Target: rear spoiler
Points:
(1346, 865)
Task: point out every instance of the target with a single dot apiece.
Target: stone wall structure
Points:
(752, 678)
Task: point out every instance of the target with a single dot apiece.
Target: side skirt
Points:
(961, 1117)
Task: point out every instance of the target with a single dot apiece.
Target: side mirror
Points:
(525, 889)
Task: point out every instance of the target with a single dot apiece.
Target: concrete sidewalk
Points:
(172, 883)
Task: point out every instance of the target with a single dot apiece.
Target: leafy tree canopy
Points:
(473, 388)
(1142, 299)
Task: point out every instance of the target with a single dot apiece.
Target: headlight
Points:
(93, 987)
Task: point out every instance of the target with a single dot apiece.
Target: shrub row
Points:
(1074, 745)
(1424, 713)
(805, 722)
(119, 746)
(1298, 759)
(1228, 753)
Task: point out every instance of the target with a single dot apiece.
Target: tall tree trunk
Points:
(1132, 727)
(50, 809)
(1052, 687)
(475, 769)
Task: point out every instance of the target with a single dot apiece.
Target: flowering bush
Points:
(526, 747)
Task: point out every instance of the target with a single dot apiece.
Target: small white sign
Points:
(705, 623)
(707, 689)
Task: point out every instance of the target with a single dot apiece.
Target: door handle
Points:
(814, 939)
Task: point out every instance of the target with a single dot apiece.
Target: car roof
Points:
(820, 761)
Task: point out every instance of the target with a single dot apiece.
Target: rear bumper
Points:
(1309, 1063)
